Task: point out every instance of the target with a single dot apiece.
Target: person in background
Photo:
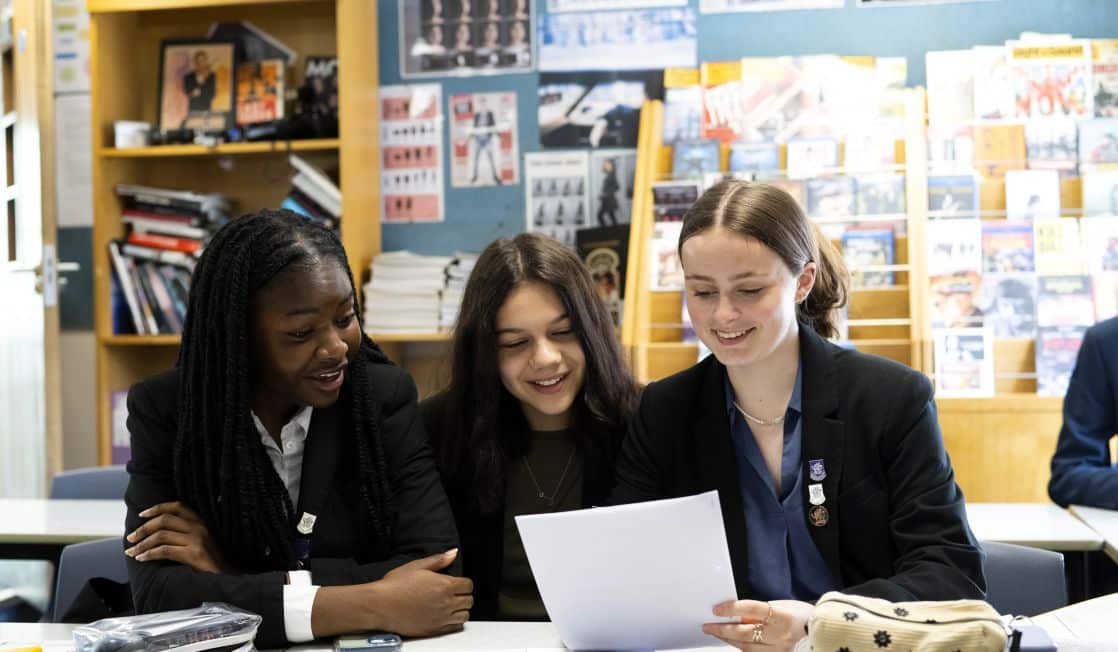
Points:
(1083, 471)
(534, 412)
(281, 466)
(829, 463)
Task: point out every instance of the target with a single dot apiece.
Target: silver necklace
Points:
(761, 422)
(550, 500)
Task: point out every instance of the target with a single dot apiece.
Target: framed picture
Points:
(196, 86)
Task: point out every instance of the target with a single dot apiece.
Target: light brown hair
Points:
(772, 217)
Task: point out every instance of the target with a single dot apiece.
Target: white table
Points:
(1037, 525)
(38, 528)
(1102, 521)
(1083, 626)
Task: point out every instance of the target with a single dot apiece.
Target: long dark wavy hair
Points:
(221, 469)
(482, 428)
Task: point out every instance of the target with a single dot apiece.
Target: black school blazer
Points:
(897, 529)
(422, 520)
(482, 534)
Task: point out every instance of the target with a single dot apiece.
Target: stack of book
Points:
(166, 231)
(404, 293)
(314, 194)
(451, 298)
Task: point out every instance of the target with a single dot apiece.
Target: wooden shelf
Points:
(140, 340)
(410, 337)
(225, 149)
(109, 6)
(1014, 402)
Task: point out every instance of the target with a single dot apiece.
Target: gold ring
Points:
(769, 616)
(758, 634)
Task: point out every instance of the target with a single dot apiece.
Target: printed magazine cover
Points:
(1052, 145)
(863, 248)
(1100, 243)
(1051, 80)
(483, 140)
(993, 93)
(1105, 73)
(831, 197)
(1098, 141)
(682, 113)
(1100, 193)
(694, 160)
(811, 157)
(998, 148)
(1056, 350)
(1032, 194)
(956, 298)
(605, 252)
(1057, 246)
(758, 158)
(1009, 304)
(1007, 246)
(1065, 301)
(881, 194)
(953, 195)
(964, 362)
(954, 245)
(260, 87)
(950, 78)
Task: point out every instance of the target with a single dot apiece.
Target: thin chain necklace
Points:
(761, 422)
(550, 500)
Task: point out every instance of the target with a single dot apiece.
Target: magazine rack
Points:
(1000, 446)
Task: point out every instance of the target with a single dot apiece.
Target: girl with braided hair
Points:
(281, 466)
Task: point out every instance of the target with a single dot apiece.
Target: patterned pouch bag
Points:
(852, 623)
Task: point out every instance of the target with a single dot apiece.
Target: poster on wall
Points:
(412, 155)
(729, 6)
(556, 6)
(556, 194)
(483, 140)
(612, 176)
(618, 40)
(464, 37)
(595, 109)
(70, 31)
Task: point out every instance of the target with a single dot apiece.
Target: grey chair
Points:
(100, 482)
(1024, 581)
(82, 562)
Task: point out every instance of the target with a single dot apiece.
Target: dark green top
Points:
(518, 598)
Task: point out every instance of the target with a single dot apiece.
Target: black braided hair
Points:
(221, 470)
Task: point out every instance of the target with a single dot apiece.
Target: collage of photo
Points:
(440, 37)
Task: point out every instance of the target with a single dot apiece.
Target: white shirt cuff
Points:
(298, 600)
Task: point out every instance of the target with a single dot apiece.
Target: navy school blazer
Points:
(897, 526)
(422, 523)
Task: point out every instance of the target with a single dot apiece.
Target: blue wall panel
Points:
(475, 216)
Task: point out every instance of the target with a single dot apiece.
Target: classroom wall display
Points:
(612, 177)
(483, 143)
(555, 6)
(618, 40)
(555, 184)
(727, 6)
(595, 109)
(412, 150)
(196, 86)
(464, 37)
(70, 37)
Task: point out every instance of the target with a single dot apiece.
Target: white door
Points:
(30, 414)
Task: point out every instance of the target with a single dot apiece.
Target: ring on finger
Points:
(758, 634)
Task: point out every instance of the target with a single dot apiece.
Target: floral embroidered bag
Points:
(851, 623)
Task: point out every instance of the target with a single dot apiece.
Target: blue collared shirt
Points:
(784, 562)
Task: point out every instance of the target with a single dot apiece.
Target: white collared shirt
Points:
(287, 460)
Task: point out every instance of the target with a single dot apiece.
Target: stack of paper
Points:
(456, 276)
(403, 295)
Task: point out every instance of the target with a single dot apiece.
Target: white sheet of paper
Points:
(641, 576)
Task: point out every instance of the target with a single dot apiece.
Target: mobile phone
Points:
(368, 643)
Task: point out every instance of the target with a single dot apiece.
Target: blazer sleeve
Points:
(1081, 467)
(166, 585)
(936, 556)
(641, 462)
(424, 524)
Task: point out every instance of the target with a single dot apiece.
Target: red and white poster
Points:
(411, 180)
(483, 140)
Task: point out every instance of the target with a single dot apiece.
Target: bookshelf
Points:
(125, 37)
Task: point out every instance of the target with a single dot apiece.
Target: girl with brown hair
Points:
(829, 463)
(534, 412)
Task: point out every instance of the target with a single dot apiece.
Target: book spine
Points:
(162, 298)
(124, 280)
(163, 216)
(178, 295)
(185, 245)
(308, 188)
(164, 227)
(144, 296)
(176, 258)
